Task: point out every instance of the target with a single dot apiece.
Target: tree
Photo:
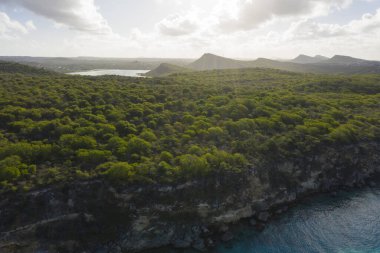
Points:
(193, 166)
(12, 168)
(138, 146)
(119, 171)
(76, 142)
(91, 158)
(148, 135)
(166, 157)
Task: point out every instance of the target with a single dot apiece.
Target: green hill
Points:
(16, 68)
(166, 69)
(211, 61)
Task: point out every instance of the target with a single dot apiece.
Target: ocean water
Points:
(118, 72)
(346, 223)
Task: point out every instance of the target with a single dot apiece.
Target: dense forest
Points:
(197, 125)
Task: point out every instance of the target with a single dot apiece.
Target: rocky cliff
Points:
(96, 216)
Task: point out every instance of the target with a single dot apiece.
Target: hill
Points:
(211, 61)
(77, 64)
(16, 68)
(165, 69)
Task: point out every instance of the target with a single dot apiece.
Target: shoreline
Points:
(275, 212)
(97, 216)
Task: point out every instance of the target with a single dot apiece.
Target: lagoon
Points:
(118, 72)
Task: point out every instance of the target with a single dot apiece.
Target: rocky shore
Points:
(97, 216)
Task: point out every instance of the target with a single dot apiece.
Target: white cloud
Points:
(30, 25)
(80, 15)
(367, 23)
(308, 29)
(284, 33)
(244, 15)
(253, 13)
(179, 24)
(10, 28)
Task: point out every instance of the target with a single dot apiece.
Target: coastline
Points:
(99, 217)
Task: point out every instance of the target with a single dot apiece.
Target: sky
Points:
(245, 29)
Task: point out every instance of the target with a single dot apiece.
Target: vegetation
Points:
(12, 67)
(186, 126)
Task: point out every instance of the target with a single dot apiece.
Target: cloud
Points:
(284, 33)
(245, 15)
(178, 25)
(308, 29)
(253, 13)
(10, 28)
(30, 25)
(232, 28)
(367, 23)
(81, 15)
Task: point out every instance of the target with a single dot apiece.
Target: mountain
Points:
(272, 64)
(305, 59)
(211, 61)
(350, 61)
(165, 69)
(321, 57)
(321, 64)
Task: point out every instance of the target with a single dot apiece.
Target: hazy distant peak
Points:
(304, 59)
(211, 56)
(210, 61)
(208, 54)
(346, 60)
(261, 59)
(321, 57)
(338, 56)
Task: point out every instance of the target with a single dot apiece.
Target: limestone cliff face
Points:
(95, 216)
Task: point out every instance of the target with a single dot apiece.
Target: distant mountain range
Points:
(339, 64)
(305, 64)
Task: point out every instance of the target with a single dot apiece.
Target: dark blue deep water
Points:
(346, 223)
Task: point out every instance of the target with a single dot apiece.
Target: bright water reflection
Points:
(118, 72)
